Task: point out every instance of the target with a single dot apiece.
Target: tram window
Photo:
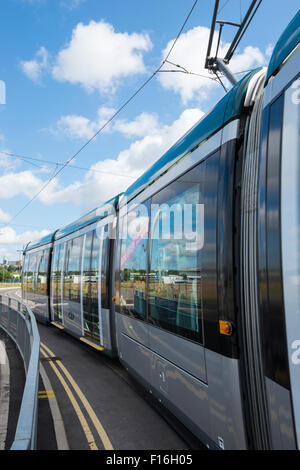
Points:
(24, 277)
(133, 262)
(42, 273)
(57, 266)
(86, 278)
(104, 271)
(95, 253)
(40, 268)
(180, 250)
(31, 273)
(90, 288)
(72, 271)
(53, 273)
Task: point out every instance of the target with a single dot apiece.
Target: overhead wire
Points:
(222, 8)
(246, 27)
(184, 70)
(181, 29)
(28, 160)
(220, 81)
(21, 158)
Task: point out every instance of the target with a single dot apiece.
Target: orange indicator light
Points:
(225, 328)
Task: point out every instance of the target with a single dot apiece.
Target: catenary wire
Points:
(57, 172)
(222, 8)
(28, 160)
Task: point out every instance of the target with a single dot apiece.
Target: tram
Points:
(191, 278)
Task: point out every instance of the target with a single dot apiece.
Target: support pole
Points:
(226, 71)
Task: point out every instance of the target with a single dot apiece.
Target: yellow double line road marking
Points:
(98, 426)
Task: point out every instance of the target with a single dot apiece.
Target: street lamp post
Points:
(3, 269)
(20, 266)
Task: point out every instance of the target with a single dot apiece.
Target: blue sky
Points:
(69, 64)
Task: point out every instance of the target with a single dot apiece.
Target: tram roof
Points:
(227, 109)
(42, 241)
(91, 217)
(288, 41)
(87, 219)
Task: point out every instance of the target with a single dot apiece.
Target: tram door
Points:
(93, 266)
(90, 269)
(56, 284)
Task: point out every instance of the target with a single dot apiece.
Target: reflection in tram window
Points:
(72, 275)
(31, 276)
(104, 271)
(42, 273)
(35, 281)
(133, 265)
(24, 277)
(56, 279)
(181, 215)
(90, 286)
(94, 278)
(95, 251)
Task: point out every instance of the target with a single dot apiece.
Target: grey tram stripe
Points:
(60, 433)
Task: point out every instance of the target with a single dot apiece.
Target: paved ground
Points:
(10, 399)
(87, 401)
(100, 406)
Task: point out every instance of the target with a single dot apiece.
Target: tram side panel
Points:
(80, 285)
(35, 281)
(171, 296)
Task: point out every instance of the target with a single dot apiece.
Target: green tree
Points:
(5, 275)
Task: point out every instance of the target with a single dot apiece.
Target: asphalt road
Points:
(102, 389)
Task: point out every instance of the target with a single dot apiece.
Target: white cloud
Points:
(111, 176)
(33, 69)
(10, 240)
(8, 254)
(97, 57)
(80, 127)
(7, 162)
(8, 236)
(251, 57)
(96, 188)
(192, 58)
(24, 182)
(4, 217)
(76, 126)
(144, 124)
(269, 51)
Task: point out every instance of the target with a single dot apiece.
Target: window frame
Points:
(200, 338)
(131, 208)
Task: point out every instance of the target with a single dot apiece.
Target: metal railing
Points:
(19, 323)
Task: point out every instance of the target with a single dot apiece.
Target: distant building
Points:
(172, 279)
(12, 263)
